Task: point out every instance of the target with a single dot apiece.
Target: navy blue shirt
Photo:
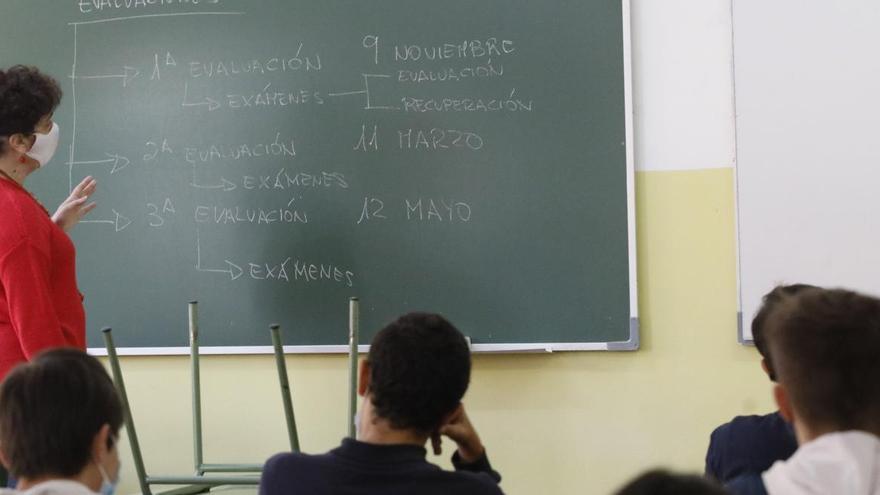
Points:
(747, 484)
(358, 468)
(748, 446)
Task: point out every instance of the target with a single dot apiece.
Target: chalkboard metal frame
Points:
(633, 342)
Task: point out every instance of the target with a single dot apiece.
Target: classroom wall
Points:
(553, 423)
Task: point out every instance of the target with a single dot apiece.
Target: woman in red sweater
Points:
(40, 305)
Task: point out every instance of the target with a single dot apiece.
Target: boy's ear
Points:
(100, 449)
(4, 460)
(783, 402)
(364, 378)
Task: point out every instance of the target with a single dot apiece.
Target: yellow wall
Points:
(553, 424)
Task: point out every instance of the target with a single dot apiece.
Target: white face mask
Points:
(45, 145)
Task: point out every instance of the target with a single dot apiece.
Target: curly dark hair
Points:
(420, 368)
(26, 96)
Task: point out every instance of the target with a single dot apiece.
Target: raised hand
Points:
(75, 206)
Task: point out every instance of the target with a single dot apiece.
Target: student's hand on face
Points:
(75, 206)
(462, 432)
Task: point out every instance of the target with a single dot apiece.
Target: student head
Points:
(826, 351)
(60, 419)
(417, 371)
(28, 99)
(665, 483)
(769, 303)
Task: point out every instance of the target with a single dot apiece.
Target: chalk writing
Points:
(89, 6)
(451, 74)
(154, 148)
(466, 49)
(372, 41)
(508, 104)
(438, 139)
(284, 180)
(310, 272)
(370, 143)
(268, 97)
(157, 215)
(439, 210)
(230, 68)
(279, 147)
(372, 210)
(370, 103)
(287, 270)
(156, 75)
(222, 215)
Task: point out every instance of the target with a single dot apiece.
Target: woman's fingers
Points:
(82, 185)
(87, 208)
(85, 188)
(89, 188)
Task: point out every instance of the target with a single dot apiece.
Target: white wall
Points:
(683, 84)
(807, 84)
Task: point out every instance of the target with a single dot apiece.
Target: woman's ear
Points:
(20, 143)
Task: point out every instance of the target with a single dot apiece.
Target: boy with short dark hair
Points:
(662, 482)
(749, 445)
(59, 424)
(413, 380)
(826, 349)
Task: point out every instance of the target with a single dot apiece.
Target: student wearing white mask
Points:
(40, 303)
(59, 426)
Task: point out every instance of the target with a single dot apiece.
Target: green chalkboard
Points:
(273, 158)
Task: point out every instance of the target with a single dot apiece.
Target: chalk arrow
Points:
(119, 162)
(119, 223)
(209, 102)
(224, 184)
(127, 76)
(234, 271)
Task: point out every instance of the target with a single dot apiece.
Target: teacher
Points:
(40, 304)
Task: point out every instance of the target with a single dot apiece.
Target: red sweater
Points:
(40, 304)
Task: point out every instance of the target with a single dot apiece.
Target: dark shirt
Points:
(749, 445)
(358, 468)
(747, 484)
